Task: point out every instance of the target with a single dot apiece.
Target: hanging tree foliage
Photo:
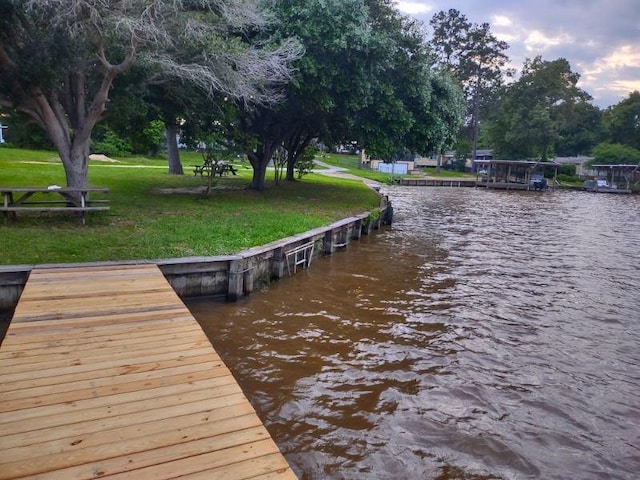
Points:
(59, 59)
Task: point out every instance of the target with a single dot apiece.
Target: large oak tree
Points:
(535, 109)
(59, 59)
(622, 121)
(367, 75)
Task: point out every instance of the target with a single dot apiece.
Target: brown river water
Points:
(485, 335)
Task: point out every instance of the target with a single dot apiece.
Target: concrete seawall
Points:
(231, 276)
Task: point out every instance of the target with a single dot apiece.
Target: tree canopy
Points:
(475, 57)
(615, 154)
(59, 59)
(622, 121)
(367, 76)
(534, 108)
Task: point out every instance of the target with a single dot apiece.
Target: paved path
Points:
(340, 172)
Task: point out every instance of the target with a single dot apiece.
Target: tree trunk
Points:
(259, 161)
(259, 164)
(74, 156)
(73, 149)
(173, 154)
(475, 121)
(70, 129)
(278, 164)
(291, 170)
(295, 147)
(77, 168)
(75, 160)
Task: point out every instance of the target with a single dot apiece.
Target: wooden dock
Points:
(104, 373)
(436, 182)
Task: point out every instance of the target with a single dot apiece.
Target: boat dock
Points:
(104, 373)
(436, 182)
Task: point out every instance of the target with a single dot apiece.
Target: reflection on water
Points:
(486, 334)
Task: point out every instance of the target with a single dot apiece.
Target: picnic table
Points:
(23, 199)
(213, 168)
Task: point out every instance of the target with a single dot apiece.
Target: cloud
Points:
(623, 56)
(537, 41)
(505, 28)
(414, 8)
(501, 21)
(615, 74)
(597, 37)
(624, 87)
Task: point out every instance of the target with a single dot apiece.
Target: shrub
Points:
(563, 177)
(304, 164)
(24, 133)
(615, 153)
(154, 137)
(108, 143)
(568, 169)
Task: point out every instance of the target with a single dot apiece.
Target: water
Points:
(486, 335)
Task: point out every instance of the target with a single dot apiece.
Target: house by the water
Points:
(483, 154)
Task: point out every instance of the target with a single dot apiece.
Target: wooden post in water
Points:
(247, 276)
(236, 277)
(328, 242)
(278, 263)
(357, 230)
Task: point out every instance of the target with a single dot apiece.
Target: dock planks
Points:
(436, 182)
(104, 373)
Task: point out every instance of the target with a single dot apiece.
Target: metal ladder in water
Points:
(301, 255)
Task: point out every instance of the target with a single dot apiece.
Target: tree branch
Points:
(5, 61)
(58, 132)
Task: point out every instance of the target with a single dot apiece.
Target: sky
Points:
(599, 38)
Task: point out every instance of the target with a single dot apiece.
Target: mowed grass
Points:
(352, 164)
(155, 215)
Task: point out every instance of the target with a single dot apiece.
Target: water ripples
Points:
(486, 335)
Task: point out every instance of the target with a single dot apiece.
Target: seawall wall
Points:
(231, 276)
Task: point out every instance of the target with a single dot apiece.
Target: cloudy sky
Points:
(599, 38)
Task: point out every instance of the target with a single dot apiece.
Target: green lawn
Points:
(156, 215)
(351, 163)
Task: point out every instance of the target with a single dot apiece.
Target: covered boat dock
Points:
(514, 174)
(619, 178)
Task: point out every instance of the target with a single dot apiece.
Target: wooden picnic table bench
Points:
(24, 199)
(214, 168)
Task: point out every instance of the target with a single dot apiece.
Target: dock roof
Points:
(524, 163)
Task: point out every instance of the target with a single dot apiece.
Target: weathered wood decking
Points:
(436, 182)
(104, 373)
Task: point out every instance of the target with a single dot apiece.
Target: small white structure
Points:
(426, 162)
(1, 136)
(399, 168)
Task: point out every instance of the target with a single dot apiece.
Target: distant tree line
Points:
(542, 114)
